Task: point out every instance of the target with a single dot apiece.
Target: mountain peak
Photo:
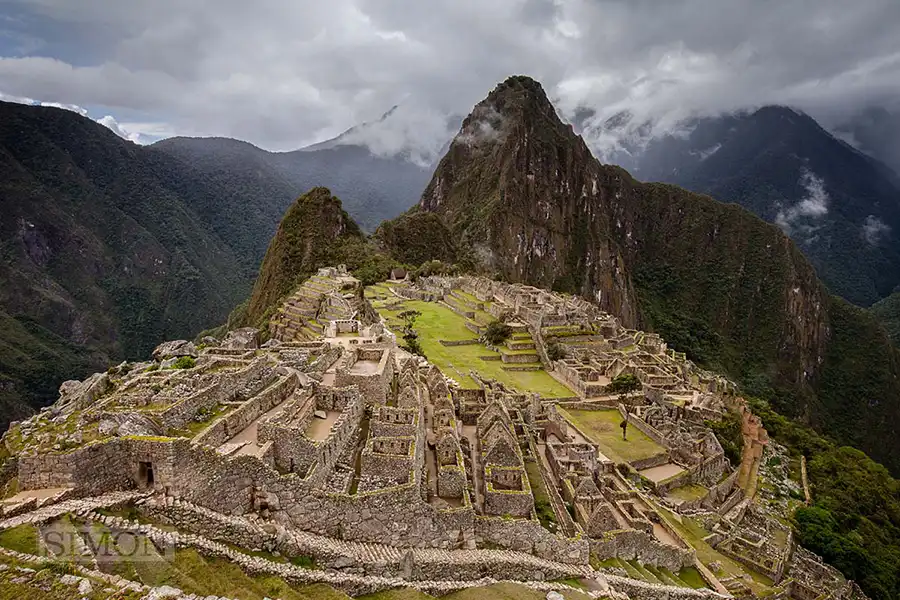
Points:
(312, 234)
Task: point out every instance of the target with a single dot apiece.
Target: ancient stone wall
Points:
(629, 544)
(526, 535)
(92, 469)
(224, 428)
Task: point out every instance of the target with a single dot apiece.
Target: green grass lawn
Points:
(689, 492)
(602, 426)
(22, 538)
(440, 323)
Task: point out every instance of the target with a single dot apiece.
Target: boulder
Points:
(79, 394)
(128, 424)
(245, 338)
(208, 340)
(320, 414)
(175, 349)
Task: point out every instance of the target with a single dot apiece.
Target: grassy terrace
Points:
(440, 323)
(602, 426)
(687, 493)
(498, 591)
(694, 533)
(542, 506)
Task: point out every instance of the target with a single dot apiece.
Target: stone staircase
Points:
(78, 506)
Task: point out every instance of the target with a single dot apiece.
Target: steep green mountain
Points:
(315, 232)
(521, 193)
(841, 207)
(106, 249)
(887, 311)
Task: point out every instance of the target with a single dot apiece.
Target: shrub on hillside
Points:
(556, 351)
(185, 362)
(624, 383)
(497, 332)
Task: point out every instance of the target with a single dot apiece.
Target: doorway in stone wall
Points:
(145, 474)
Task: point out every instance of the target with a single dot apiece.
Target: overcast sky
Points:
(284, 74)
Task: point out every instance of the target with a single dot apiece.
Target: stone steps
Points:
(78, 506)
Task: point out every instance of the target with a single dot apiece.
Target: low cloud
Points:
(139, 133)
(415, 132)
(110, 122)
(874, 229)
(485, 126)
(303, 72)
(802, 216)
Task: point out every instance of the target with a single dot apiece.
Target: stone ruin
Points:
(361, 443)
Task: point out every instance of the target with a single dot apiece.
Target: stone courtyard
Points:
(331, 440)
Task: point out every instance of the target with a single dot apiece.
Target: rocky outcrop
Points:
(245, 338)
(175, 349)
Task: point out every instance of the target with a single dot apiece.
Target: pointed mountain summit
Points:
(315, 232)
(520, 196)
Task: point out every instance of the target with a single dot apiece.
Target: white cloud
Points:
(486, 126)
(304, 71)
(874, 228)
(110, 122)
(410, 129)
(810, 208)
(137, 132)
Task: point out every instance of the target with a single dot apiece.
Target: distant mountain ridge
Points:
(107, 249)
(375, 183)
(840, 206)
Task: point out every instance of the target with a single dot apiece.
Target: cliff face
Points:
(520, 192)
(523, 191)
(525, 200)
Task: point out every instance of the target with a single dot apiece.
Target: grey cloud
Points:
(874, 229)
(804, 214)
(285, 74)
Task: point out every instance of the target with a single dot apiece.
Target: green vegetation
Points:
(185, 362)
(497, 332)
(623, 384)
(417, 237)
(545, 513)
(440, 323)
(22, 538)
(602, 426)
(556, 351)
(315, 232)
(688, 492)
(728, 432)
(853, 522)
(410, 336)
(888, 313)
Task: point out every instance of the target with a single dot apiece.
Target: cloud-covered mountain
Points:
(839, 205)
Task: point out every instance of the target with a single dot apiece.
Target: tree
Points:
(624, 383)
(556, 351)
(496, 333)
(410, 335)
